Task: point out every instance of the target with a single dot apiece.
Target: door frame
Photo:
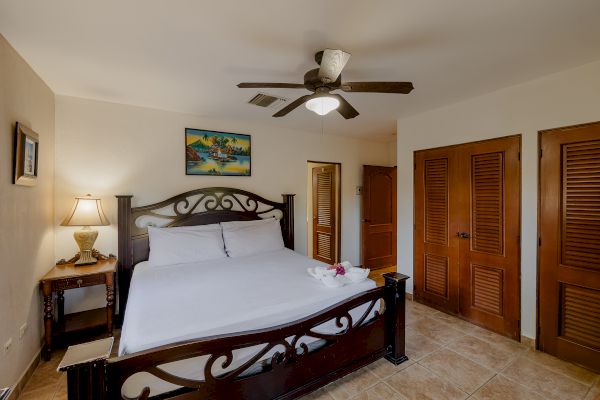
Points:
(338, 208)
(538, 330)
(520, 222)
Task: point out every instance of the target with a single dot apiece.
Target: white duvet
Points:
(169, 304)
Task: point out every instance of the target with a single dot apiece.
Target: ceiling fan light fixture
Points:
(322, 105)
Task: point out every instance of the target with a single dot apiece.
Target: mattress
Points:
(173, 303)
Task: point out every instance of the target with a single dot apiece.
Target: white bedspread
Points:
(190, 301)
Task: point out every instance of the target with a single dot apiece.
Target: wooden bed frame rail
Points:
(292, 371)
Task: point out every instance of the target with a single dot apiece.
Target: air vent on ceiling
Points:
(267, 100)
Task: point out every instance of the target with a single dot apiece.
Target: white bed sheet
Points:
(169, 304)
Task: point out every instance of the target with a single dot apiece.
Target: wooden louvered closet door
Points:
(324, 215)
(489, 258)
(467, 227)
(436, 249)
(569, 252)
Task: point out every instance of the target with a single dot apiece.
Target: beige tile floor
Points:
(448, 359)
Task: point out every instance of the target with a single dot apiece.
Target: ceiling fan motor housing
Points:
(312, 81)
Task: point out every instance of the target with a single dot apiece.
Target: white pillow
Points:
(244, 238)
(185, 244)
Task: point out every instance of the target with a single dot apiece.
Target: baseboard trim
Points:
(24, 378)
(528, 342)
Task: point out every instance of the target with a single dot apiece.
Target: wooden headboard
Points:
(196, 207)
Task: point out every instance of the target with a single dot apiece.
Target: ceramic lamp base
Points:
(85, 239)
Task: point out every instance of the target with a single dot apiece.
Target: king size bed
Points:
(239, 318)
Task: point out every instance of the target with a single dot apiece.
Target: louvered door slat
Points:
(487, 202)
(436, 201)
(581, 315)
(436, 275)
(581, 205)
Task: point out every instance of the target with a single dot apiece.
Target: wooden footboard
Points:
(294, 368)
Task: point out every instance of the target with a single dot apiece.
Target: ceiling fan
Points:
(322, 81)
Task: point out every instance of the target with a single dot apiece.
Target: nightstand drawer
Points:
(76, 282)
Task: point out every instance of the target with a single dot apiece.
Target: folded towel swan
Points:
(338, 275)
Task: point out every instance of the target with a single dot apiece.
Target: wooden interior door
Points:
(489, 234)
(435, 245)
(378, 217)
(467, 227)
(569, 244)
(324, 214)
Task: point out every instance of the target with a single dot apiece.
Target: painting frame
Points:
(25, 156)
(216, 153)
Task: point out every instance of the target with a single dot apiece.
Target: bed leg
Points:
(395, 301)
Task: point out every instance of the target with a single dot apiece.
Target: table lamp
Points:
(86, 212)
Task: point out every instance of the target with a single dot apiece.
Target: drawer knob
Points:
(79, 282)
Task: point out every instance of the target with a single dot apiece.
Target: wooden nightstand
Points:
(68, 276)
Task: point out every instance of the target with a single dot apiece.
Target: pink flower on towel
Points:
(339, 269)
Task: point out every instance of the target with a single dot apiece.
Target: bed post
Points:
(125, 251)
(395, 301)
(288, 217)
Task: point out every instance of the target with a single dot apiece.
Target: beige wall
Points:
(107, 149)
(26, 213)
(566, 98)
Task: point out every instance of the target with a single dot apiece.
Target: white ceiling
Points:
(188, 55)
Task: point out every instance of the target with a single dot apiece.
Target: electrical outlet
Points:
(7, 345)
(22, 330)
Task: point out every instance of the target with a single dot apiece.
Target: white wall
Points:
(107, 149)
(26, 213)
(566, 98)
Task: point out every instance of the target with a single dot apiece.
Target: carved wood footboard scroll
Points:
(292, 367)
(197, 207)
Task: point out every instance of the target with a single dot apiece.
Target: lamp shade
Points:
(87, 211)
(322, 105)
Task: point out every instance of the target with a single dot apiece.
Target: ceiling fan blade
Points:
(245, 85)
(299, 101)
(332, 64)
(345, 108)
(378, 87)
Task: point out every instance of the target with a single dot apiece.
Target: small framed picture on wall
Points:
(25, 159)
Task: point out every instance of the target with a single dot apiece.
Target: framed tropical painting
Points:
(217, 153)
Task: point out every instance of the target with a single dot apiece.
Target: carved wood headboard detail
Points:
(196, 207)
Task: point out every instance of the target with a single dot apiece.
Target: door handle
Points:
(463, 235)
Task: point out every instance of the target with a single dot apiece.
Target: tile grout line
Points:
(394, 390)
(511, 359)
(444, 379)
(533, 390)
(547, 368)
